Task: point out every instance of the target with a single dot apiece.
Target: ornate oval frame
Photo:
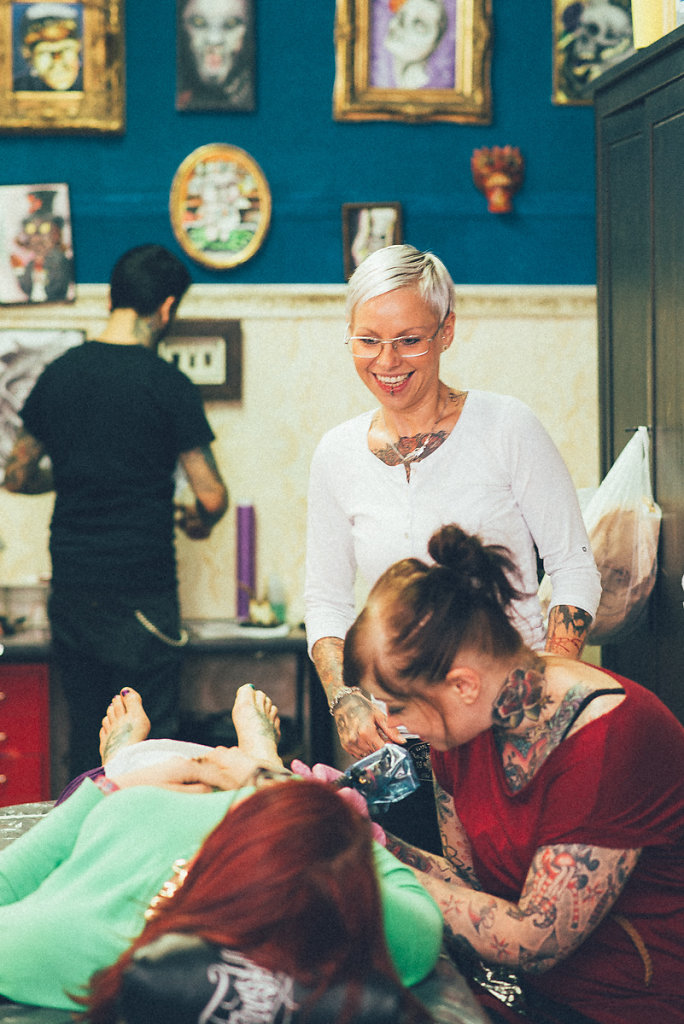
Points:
(220, 206)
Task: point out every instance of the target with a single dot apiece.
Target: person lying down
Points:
(279, 869)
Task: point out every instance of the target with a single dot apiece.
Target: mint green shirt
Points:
(74, 889)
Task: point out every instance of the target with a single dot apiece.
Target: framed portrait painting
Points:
(62, 66)
(367, 227)
(215, 55)
(588, 39)
(413, 60)
(24, 354)
(36, 250)
(220, 206)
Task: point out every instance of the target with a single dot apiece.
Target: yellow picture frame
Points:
(587, 42)
(447, 79)
(220, 206)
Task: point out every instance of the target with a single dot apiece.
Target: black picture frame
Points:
(190, 342)
(367, 227)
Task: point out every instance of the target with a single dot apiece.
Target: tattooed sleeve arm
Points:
(456, 864)
(211, 495)
(567, 892)
(567, 630)
(24, 473)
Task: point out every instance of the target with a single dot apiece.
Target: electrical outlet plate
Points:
(203, 360)
(209, 352)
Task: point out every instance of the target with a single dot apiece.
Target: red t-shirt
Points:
(617, 782)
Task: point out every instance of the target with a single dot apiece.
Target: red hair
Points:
(286, 878)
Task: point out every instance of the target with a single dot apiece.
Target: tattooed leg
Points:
(125, 722)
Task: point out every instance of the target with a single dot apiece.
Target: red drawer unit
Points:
(24, 733)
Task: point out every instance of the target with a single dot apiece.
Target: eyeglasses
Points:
(409, 347)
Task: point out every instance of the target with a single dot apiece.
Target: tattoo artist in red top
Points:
(559, 788)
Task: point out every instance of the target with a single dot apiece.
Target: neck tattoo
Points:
(425, 439)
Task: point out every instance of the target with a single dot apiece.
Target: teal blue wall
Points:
(120, 185)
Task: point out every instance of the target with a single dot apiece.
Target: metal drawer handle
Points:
(3, 695)
(3, 780)
(3, 737)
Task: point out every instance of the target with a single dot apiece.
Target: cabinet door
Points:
(24, 734)
(666, 116)
(641, 290)
(626, 338)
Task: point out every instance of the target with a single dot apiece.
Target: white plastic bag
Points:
(623, 523)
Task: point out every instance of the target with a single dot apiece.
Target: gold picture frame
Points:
(584, 46)
(447, 79)
(90, 99)
(220, 206)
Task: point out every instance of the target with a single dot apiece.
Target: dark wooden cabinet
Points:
(639, 108)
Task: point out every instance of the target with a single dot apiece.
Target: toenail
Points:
(125, 692)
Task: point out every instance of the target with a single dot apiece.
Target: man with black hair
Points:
(115, 421)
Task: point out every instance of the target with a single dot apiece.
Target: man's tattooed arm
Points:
(25, 471)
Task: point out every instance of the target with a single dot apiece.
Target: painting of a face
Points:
(415, 29)
(50, 47)
(57, 63)
(216, 34)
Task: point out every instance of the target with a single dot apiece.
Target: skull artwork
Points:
(604, 33)
(598, 35)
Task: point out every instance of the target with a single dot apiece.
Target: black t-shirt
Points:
(114, 419)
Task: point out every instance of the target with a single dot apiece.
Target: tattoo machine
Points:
(383, 777)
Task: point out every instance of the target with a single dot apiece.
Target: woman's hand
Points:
(362, 726)
(325, 773)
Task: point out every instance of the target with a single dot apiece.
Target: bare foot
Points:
(124, 723)
(257, 724)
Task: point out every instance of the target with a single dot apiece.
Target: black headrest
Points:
(182, 979)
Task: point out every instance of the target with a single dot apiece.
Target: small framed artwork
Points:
(209, 352)
(220, 206)
(413, 60)
(36, 251)
(24, 354)
(588, 39)
(61, 66)
(215, 55)
(367, 227)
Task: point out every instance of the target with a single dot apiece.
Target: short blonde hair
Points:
(401, 266)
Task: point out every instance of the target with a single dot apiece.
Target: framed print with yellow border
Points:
(588, 40)
(413, 60)
(62, 67)
(220, 206)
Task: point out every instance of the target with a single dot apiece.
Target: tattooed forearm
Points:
(24, 471)
(420, 860)
(567, 630)
(568, 890)
(327, 657)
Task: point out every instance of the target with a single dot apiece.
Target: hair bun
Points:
(487, 568)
